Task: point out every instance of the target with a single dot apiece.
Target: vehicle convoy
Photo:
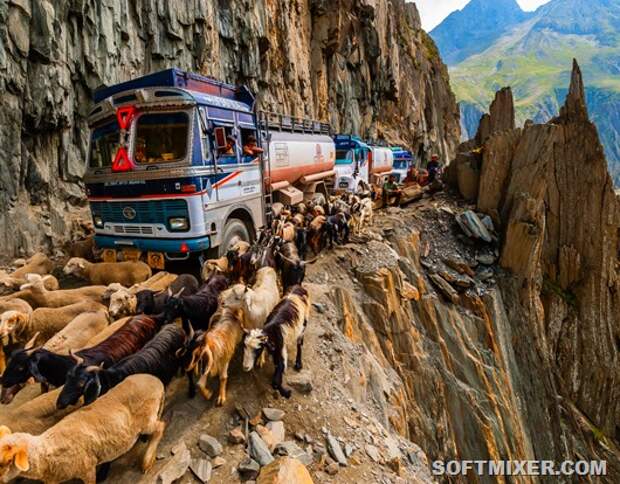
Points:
(180, 164)
(403, 160)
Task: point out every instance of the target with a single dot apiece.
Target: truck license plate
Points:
(155, 260)
(109, 255)
(131, 254)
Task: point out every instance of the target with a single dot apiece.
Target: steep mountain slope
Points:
(365, 66)
(475, 28)
(532, 58)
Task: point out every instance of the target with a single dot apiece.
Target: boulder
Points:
(284, 470)
(273, 414)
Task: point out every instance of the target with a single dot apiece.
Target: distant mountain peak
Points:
(475, 28)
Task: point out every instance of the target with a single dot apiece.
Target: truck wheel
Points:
(234, 230)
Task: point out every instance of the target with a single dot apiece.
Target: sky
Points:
(434, 11)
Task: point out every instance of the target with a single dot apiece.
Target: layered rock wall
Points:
(365, 66)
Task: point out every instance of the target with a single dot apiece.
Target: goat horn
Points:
(94, 368)
(191, 331)
(180, 292)
(79, 360)
(30, 343)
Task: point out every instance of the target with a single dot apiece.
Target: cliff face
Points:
(548, 188)
(365, 66)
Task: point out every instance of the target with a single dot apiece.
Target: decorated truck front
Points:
(166, 175)
(352, 164)
(403, 159)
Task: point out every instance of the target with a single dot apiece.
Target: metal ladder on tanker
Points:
(265, 168)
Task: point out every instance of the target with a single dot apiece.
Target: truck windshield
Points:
(161, 137)
(104, 144)
(344, 156)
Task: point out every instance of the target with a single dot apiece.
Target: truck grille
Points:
(133, 230)
(147, 212)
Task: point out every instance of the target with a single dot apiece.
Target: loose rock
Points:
(236, 436)
(300, 381)
(248, 469)
(291, 449)
(273, 414)
(277, 431)
(373, 452)
(175, 468)
(334, 449)
(201, 468)
(284, 470)
(210, 445)
(259, 450)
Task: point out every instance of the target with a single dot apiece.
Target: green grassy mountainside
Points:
(535, 56)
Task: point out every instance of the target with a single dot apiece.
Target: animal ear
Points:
(4, 431)
(169, 292)
(30, 343)
(81, 264)
(21, 459)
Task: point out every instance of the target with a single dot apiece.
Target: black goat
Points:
(158, 358)
(286, 324)
(337, 229)
(154, 302)
(197, 308)
(292, 268)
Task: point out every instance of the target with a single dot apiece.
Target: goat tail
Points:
(207, 360)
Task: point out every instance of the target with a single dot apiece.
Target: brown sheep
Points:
(49, 282)
(38, 296)
(45, 322)
(126, 273)
(214, 266)
(39, 263)
(34, 416)
(89, 436)
(79, 331)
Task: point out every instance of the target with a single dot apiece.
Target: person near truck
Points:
(391, 190)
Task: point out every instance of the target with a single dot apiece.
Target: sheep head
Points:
(111, 289)
(12, 322)
(75, 266)
(214, 266)
(13, 454)
(122, 303)
(253, 346)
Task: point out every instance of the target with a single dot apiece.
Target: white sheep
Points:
(45, 322)
(126, 273)
(257, 302)
(123, 301)
(90, 436)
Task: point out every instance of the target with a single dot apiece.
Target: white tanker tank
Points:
(301, 157)
(382, 160)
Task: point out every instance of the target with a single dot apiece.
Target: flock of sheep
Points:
(103, 383)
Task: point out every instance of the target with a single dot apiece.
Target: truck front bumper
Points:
(153, 245)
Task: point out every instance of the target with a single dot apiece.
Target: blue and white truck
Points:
(176, 165)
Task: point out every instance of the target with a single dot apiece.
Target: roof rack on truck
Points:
(283, 122)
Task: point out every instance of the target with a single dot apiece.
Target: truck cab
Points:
(403, 160)
(353, 160)
(167, 175)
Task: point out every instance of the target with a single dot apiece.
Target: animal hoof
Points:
(285, 393)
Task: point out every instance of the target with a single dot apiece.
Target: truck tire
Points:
(234, 229)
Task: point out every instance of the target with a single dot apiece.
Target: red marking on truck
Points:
(226, 179)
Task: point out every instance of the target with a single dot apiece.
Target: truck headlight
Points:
(178, 224)
(98, 221)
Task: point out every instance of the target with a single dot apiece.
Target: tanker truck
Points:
(181, 164)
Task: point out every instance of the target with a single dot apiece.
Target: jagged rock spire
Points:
(575, 108)
(501, 116)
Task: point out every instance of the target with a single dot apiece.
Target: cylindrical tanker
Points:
(382, 160)
(294, 156)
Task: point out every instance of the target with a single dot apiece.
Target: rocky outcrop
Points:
(548, 187)
(365, 66)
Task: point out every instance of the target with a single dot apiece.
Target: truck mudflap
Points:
(170, 246)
